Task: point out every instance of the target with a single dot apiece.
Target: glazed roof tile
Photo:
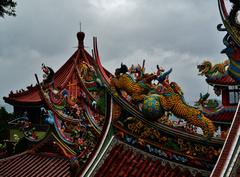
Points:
(28, 164)
(124, 162)
(224, 115)
(224, 80)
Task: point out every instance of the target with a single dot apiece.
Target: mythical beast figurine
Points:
(155, 102)
(210, 70)
(124, 81)
(174, 101)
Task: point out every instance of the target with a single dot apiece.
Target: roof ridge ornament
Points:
(80, 36)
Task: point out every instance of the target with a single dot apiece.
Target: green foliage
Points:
(22, 145)
(7, 7)
(3, 146)
(4, 118)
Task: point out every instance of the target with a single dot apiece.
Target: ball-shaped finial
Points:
(80, 36)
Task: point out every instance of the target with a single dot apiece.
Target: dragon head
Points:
(176, 88)
(204, 68)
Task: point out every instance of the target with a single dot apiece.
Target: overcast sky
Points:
(174, 34)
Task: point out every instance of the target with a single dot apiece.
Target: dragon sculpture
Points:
(173, 100)
(202, 100)
(210, 70)
(139, 88)
(123, 81)
(170, 98)
(48, 76)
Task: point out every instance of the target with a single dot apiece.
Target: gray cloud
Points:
(177, 34)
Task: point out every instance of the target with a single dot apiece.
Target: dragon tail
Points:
(226, 63)
(209, 129)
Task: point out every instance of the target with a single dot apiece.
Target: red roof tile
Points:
(224, 115)
(225, 80)
(28, 164)
(125, 162)
(30, 96)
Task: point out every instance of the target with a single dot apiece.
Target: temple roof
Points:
(227, 158)
(31, 96)
(226, 114)
(224, 80)
(27, 164)
(120, 161)
(222, 117)
(125, 161)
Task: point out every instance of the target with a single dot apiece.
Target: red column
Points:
(225, 96)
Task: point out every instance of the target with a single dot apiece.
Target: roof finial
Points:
(80, 36)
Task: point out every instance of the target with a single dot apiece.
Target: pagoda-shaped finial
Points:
(80, 36)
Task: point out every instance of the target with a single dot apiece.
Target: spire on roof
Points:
(80, 36)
